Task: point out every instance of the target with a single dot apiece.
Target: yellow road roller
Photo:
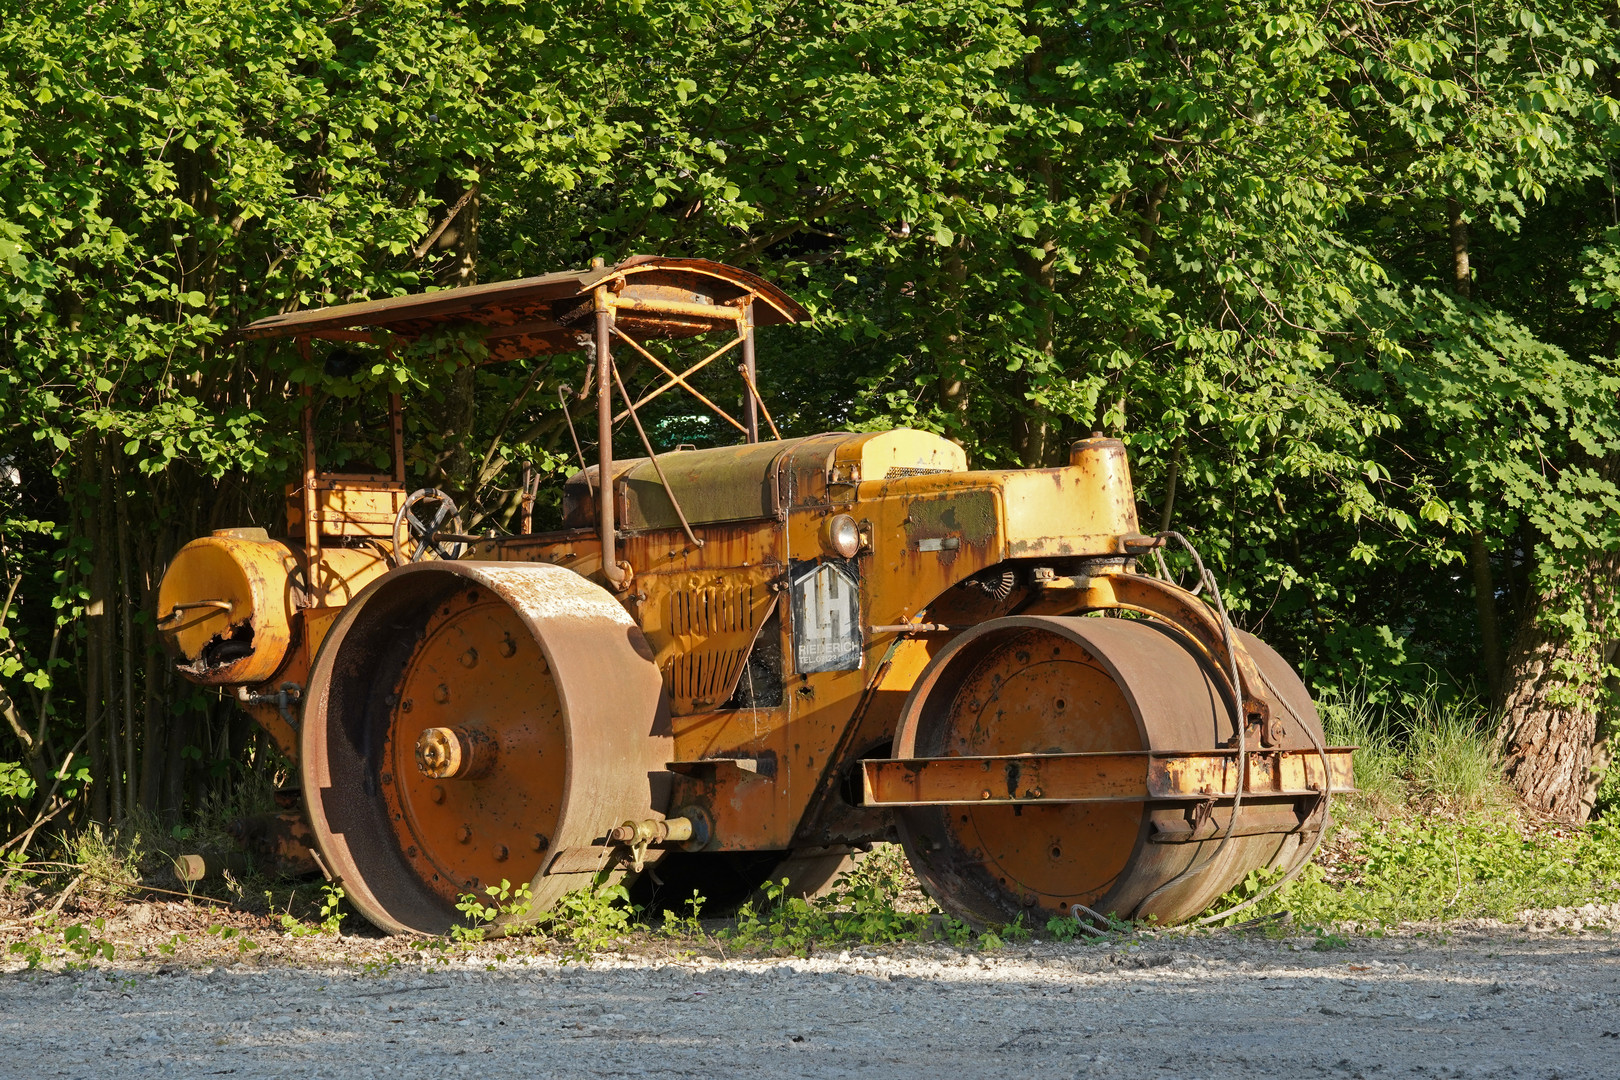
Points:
(745, 660)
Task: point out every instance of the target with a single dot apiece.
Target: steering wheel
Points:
(416, 536)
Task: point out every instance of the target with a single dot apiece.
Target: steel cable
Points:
(1322, 811)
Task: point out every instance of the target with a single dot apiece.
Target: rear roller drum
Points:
(1046, 685)
(469, 723)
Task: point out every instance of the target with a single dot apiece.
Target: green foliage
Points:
(78, 945)
(1426, 746)
(584, 921)
(329, 915)
(689, 925)
(1223, 231)
(1444, 868)
(589, 920)
(864, 905)
(504, 899)
(15, 781)
(231, 936)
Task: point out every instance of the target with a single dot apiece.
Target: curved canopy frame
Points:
(645, 296)
(651, 296)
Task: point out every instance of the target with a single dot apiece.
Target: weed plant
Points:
(1432, 833)
(1427, 749)
(863, 906)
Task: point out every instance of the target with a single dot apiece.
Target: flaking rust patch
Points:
(547, 592)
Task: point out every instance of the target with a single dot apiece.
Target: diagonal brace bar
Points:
(646, 444)
(680, 379)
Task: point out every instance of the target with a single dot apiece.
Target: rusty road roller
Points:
(745, 660)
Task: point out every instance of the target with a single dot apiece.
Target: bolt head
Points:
(501, 853)
(464, 833)
(540, 842)
(438, 752)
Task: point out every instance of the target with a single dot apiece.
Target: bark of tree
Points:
(1550, 711)
(1553, 686)
(1479, 552)
(950, 363)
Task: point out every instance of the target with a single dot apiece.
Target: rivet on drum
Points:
(500, 852)
(441, 694)
(469, 658)
(464, 833)
(540, 843)
(508, 646)
(438, 793)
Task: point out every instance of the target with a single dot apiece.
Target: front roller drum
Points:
(1072, 686)
(469, 723)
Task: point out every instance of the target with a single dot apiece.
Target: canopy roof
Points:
(653, 297)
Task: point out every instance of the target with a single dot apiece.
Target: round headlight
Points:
(842, 535)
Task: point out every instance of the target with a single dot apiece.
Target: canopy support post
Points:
(750, 400)
(312, 532)
(605, 526)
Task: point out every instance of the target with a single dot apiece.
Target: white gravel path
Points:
(1498, 1003)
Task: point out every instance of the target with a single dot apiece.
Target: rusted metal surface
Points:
(280, 843)
(525, 653)
(753, 404)
(652, 458)
(532, 316)
(225, 607)
(614, 572)
(702, 627)
(730, 483)
(1151, 596)
(459, 753)
(722, 637)
(427, 525)
(639, 836)
(1060, 687)
(1130, 776)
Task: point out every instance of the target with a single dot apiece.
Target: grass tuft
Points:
(1422, 752)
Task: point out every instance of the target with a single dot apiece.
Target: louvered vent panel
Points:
(720, 625)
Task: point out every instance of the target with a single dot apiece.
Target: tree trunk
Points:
(1038, 262)
(1549, 721)
(458, 267)
(1490, 635)
(1553, 687)
(946, 341)
(1479, 555)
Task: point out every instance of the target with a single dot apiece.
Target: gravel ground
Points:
(1533, 1000)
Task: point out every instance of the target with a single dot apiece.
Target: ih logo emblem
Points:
(826, 618)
